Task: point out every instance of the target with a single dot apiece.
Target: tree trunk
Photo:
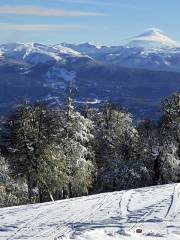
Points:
(156, 170)
(63, 193)
(30, 194)
(40, 195)
(51, 196)
(70, 190)
(179, 150)
(114, 188)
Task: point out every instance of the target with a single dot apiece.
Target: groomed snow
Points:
(117, 216)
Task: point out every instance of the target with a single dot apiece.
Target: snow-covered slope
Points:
(152, 38)
(84, 48)
(36, 53)
(119, 215)
(151, 50)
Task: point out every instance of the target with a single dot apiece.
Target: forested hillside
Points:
(50, 153)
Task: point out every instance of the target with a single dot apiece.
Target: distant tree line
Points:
(50, 153)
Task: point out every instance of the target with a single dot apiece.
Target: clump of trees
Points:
(50, 153)
(49, 149)
(12, 192)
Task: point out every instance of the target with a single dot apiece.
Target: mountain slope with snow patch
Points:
(154, 212)
(35, 53)
(151, 50)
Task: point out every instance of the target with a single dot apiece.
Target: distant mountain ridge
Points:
(135, 77)
(35, 53)
(150, 50)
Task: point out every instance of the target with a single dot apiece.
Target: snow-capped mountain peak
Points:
(84, 48)
(152, 38)
(67, 50)
(90, 44)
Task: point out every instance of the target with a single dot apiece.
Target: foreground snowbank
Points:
(101, 234)
(117, 216)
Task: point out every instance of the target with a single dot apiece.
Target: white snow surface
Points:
(150, 50)
(84, 48)
(108, 216)
(152, 38)
(36, 53)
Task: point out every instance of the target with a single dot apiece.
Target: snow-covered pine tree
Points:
(75, 137)
(31, 149)
(120, 155)
(150, 138)
(12, 192)
(169, 159)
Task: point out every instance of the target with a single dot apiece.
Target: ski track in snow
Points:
(117, 215)
(28, 223)
(103, 203)
(174, 207)
(82, 217)
(124, 202)
(162, 221)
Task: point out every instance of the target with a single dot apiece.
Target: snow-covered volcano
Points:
(152, 38)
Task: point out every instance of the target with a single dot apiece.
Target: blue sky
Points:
(107, 22)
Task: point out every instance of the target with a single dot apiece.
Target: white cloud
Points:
(93, 2)
(117, 3)
(39, 27)
(82, 1)
(40, 11)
